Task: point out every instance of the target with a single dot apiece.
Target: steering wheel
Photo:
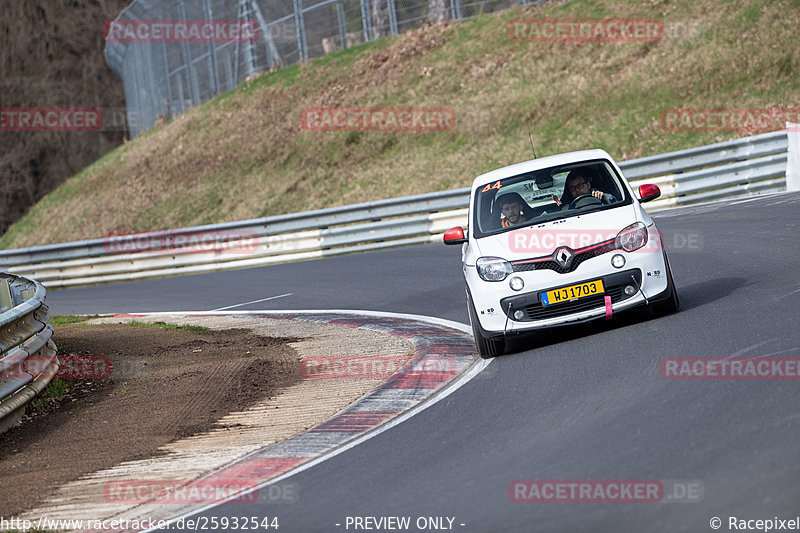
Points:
(574, 203)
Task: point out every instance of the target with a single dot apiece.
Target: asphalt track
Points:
(585, 402)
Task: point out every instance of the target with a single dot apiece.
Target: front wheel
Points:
(671, 304)
(487, 347)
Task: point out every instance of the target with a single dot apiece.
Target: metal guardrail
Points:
(738, 168)
(732, 169)
(27, 352)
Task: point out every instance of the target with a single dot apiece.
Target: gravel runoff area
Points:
(177, 405)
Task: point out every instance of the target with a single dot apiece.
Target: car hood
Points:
(542, 239)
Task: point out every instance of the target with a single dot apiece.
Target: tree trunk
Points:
(380, 18)
(437, 11)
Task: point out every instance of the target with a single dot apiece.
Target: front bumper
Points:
(496, 302)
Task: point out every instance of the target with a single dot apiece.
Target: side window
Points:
(608, 184)
(488, 219)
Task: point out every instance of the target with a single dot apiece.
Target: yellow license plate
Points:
(573, 292)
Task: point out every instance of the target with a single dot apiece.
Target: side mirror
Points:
(648, 192)
(454, 236)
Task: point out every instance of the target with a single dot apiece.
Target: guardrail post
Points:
(793, 157)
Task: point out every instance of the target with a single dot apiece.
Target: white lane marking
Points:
(253, 302)
(439, 395)
(738, 353)
(682, 210)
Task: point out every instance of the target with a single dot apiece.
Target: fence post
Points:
(167, 77)
(194, 90)
(244, 14)
(272, 50)
(301, 30)
(342, 24)
(366, 20)
(392, 16)
(212, 56)
(455, 9)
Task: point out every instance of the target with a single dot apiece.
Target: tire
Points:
(487, 347)
(672, 304)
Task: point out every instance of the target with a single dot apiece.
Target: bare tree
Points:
(52, 56)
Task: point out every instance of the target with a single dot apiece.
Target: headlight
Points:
(493, 268)
(633, 237)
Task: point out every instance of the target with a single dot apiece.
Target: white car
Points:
(559, 240)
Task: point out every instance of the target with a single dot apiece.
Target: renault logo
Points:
(564, 256)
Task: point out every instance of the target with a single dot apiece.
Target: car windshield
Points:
(547, 194)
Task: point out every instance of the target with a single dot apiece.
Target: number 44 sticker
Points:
(490, 187)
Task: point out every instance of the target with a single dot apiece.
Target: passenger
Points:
(511, 208)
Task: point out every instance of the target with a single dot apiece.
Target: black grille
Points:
(531, 304)
(539, 312)
(547, 263)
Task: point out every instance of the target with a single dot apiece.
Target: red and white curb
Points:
(444, 359)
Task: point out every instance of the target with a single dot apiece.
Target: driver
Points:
(578, 184)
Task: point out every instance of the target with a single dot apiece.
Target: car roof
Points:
(538, 164)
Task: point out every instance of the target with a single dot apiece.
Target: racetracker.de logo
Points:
(586, 30)
(377, 119)
(219, 242)
(730, 368)
(178, 492)
(51, 119)
(586, 490)
(71, 367)
(752, 120)
(180, 31)
(544, 241)
(351, 367)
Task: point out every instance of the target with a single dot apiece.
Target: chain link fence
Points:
(174, 54)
